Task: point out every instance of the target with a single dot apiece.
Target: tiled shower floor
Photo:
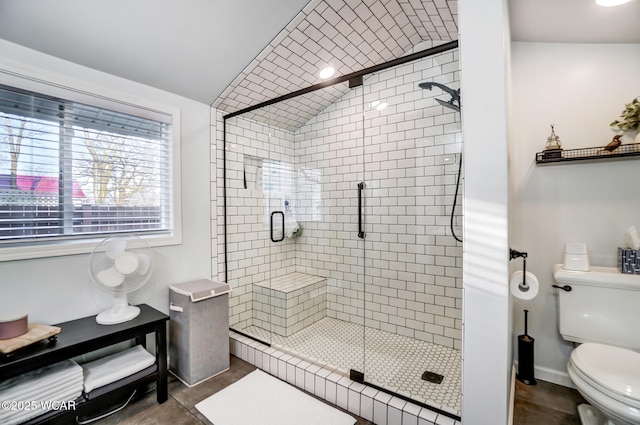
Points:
(390, 361)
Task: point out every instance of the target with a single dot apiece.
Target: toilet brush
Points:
(525, 356)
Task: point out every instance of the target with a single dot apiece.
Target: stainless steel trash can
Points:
(198, 330)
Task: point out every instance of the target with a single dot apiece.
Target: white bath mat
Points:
(261, 399)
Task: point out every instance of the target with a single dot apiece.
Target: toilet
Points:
(600, 310)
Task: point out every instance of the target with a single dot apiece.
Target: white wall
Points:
(484, 60)
(52, 290)
(580, 88)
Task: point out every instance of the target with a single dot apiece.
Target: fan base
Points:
(118, 314)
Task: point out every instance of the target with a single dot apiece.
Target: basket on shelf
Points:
(628, 261)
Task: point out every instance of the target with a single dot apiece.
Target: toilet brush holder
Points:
(525, 356)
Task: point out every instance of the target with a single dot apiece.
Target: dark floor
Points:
(546, 404)
(180, 409)
(541, 404)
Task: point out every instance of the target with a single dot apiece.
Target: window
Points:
(72, 170)
(277, 186)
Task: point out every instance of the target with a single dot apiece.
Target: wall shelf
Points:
(591, 154)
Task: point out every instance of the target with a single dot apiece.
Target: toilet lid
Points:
(615, 369)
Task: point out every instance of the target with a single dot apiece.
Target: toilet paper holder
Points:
(513, 254)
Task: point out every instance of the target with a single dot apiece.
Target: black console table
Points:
(84, 335)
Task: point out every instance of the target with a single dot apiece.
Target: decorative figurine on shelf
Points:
(553, 147)
(553, 141)
(614, 143)
(629, 120)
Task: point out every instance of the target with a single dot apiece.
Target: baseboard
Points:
(550, 375)
(553, 376)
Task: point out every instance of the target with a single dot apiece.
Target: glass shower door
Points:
(413, 264)
(277, 176)
(327, 129)
(250, 225)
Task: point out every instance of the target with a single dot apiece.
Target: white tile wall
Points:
(408, 272)
(250, 251)
(405, 277)
(367, 402)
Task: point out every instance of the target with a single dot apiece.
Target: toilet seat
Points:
(611, 370)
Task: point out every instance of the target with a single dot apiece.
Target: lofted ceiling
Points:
(234, 54)
(231, 54)
(348, 35)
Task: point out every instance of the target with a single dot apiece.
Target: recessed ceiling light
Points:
(610, 3)
(327, 72)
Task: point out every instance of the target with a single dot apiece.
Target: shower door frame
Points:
(354, 80)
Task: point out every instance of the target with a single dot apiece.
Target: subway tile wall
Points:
(407, 271)
(250, 252)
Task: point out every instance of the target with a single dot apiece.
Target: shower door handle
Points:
(360, 217)
(271, 230)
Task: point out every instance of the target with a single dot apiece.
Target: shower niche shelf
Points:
(588, 154)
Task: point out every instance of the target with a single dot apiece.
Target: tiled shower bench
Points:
(296, 299)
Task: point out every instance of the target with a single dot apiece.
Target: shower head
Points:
(455, 95)
(449, 104)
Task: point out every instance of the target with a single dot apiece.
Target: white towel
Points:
(40, 390)
(60, 382)
(115, 367)
(30, 383)
(65, 393)
(291, 226)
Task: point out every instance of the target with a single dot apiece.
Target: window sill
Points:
(73, 247)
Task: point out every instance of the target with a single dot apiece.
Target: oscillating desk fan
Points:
(120, 265)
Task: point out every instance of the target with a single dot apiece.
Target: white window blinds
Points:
(70, 170)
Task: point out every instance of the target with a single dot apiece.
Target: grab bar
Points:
(360, 221)
(271, 229)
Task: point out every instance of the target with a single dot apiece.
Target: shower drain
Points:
(436, 378)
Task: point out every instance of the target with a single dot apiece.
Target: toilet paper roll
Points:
(521, 293)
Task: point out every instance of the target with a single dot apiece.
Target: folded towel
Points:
(18, 387)
(57, 382)
(115, 367)
(44, 402)
(45, 390)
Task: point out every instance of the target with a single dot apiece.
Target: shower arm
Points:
(454, 93)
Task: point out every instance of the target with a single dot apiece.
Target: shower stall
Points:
(339, 207)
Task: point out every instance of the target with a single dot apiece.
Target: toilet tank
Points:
(602, 306)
